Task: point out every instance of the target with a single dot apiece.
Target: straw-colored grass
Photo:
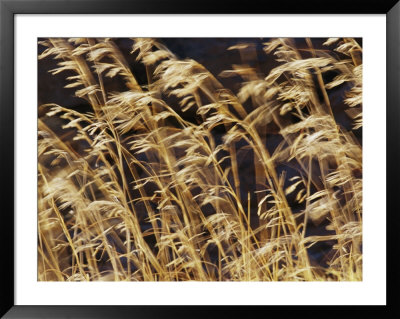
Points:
(135, 191)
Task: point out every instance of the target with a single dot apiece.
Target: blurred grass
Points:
(134, 190)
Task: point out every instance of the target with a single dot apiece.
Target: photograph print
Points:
(200, 159)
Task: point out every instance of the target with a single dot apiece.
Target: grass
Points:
(136, 190)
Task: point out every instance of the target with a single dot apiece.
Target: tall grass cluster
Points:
(134, 189)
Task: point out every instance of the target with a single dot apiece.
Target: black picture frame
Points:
(9, 8)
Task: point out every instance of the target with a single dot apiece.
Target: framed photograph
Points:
(163, 158)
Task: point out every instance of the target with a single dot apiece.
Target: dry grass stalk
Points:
(153, 196)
